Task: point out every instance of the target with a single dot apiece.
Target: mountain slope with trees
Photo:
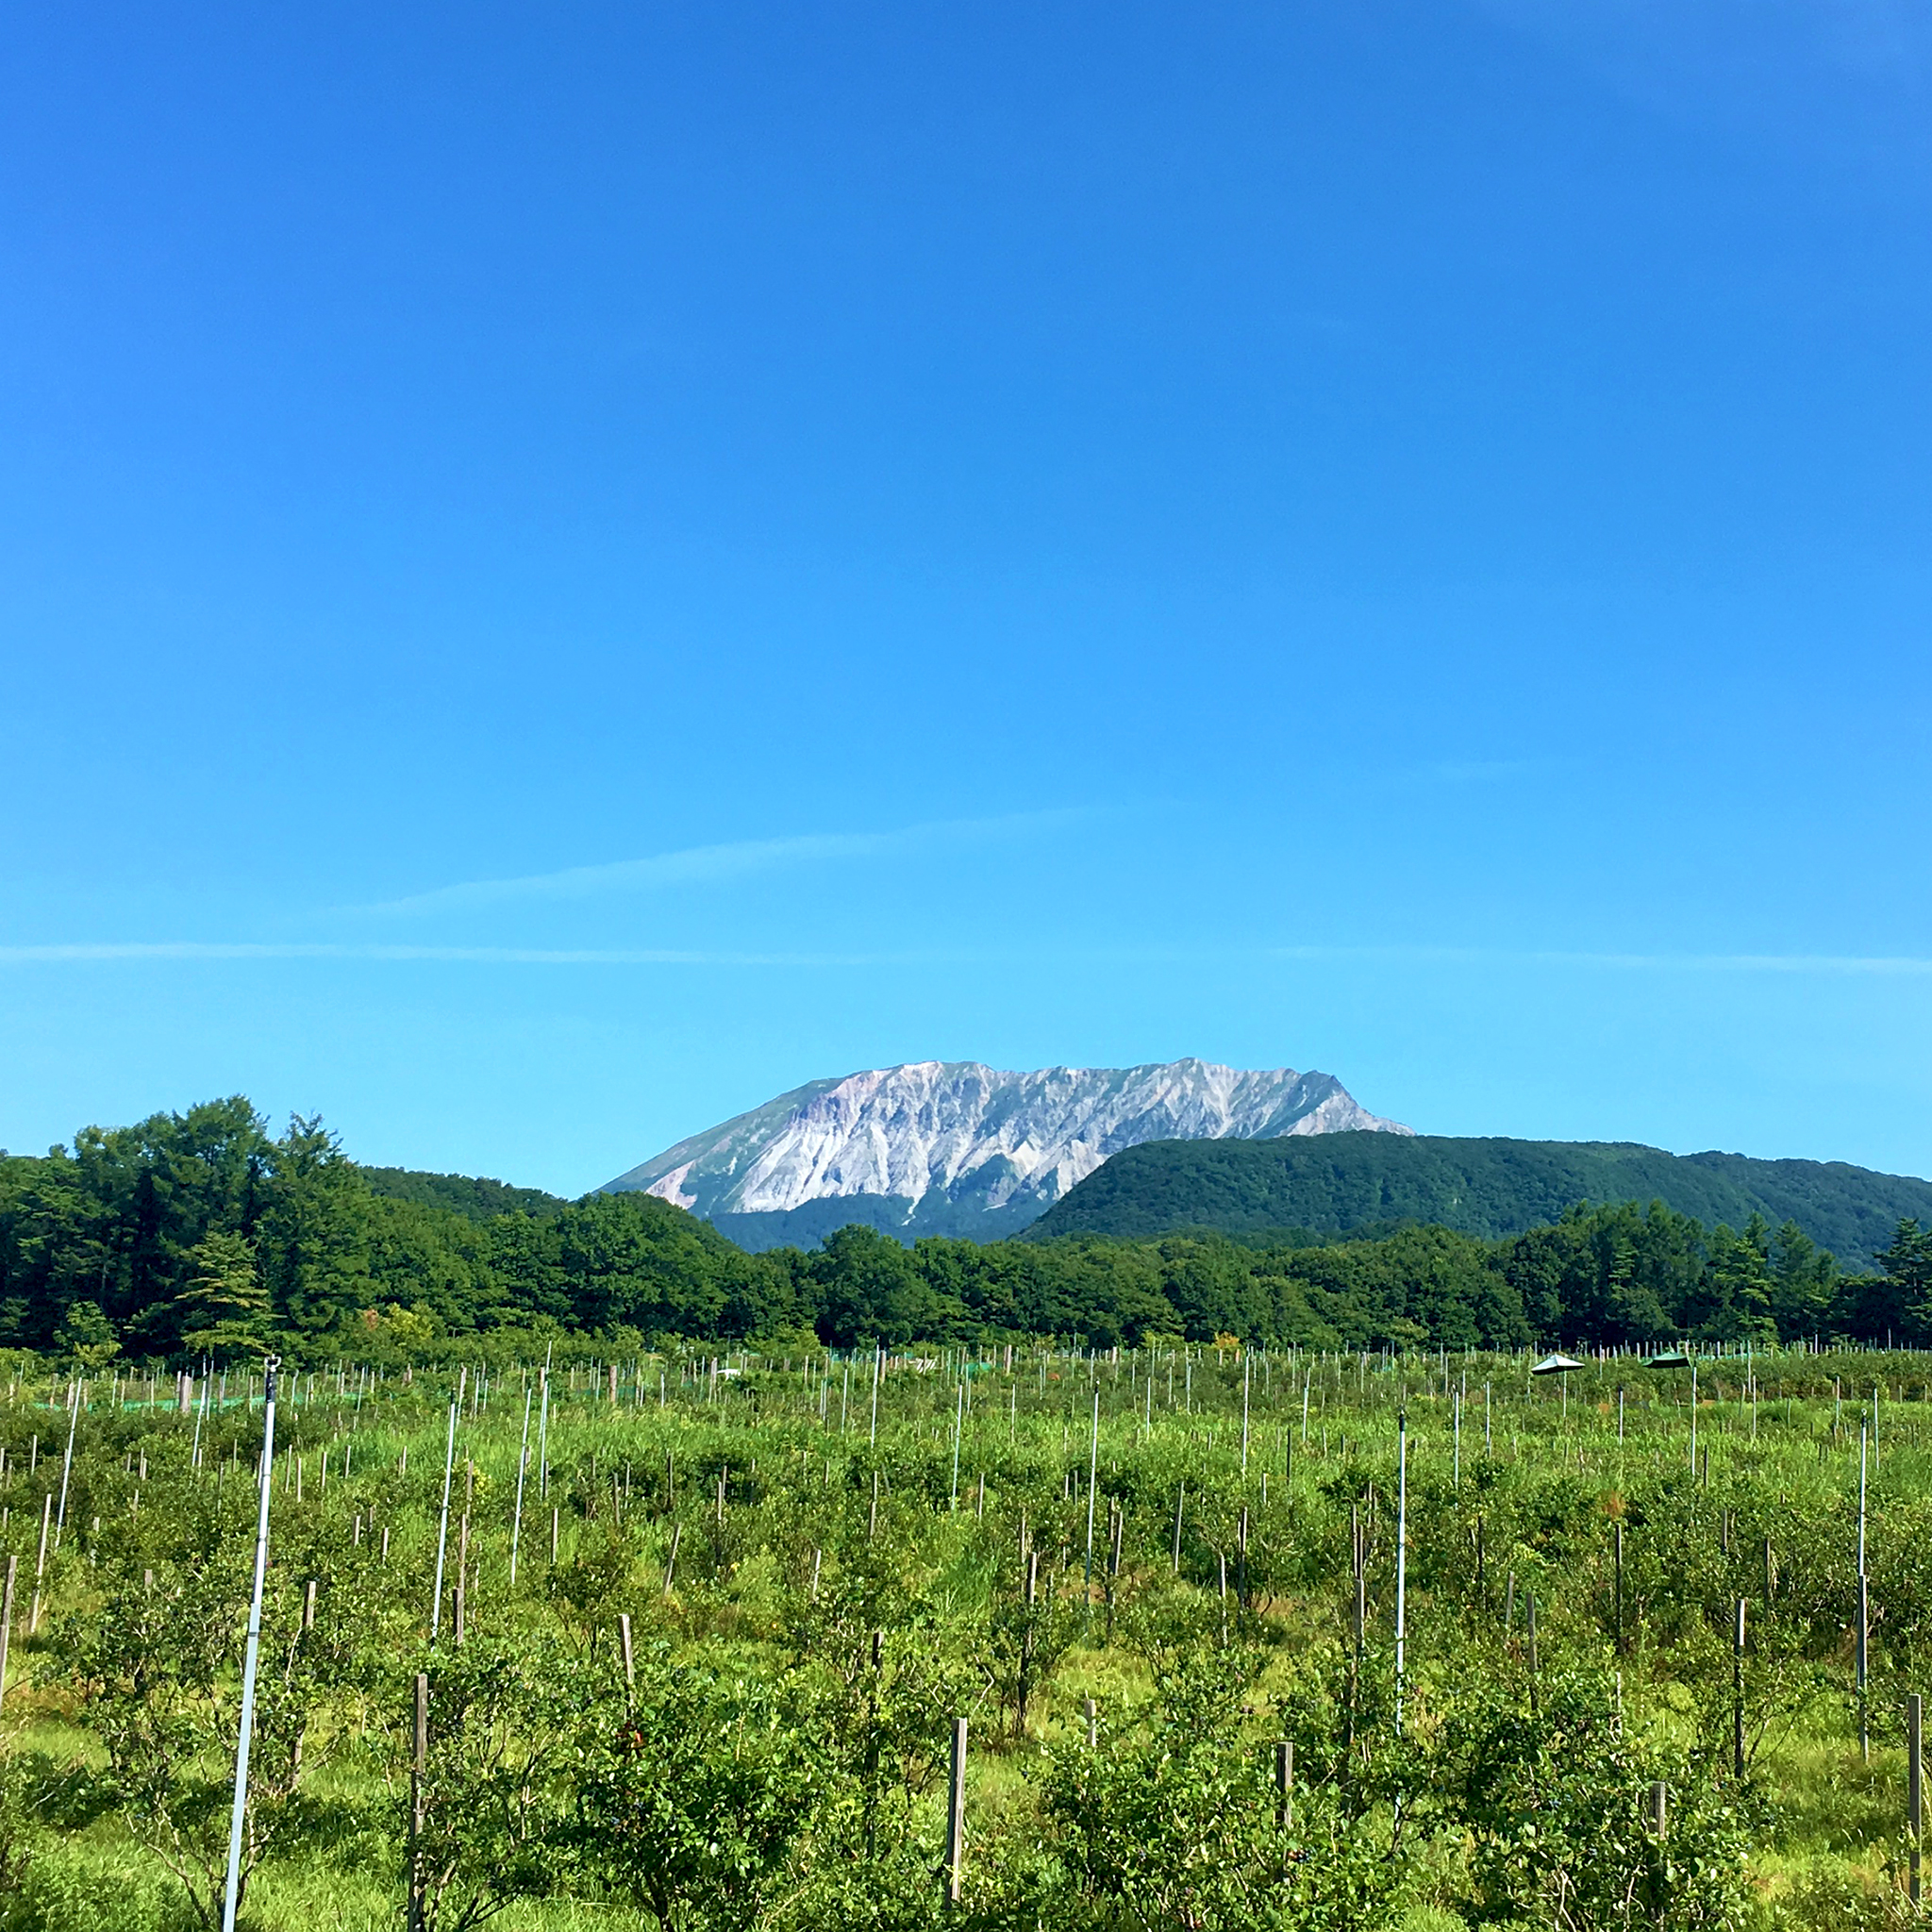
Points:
(1339, 1183)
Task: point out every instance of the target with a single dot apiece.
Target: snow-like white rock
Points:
(1001, 1140)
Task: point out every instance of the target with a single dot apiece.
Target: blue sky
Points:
(565, 570)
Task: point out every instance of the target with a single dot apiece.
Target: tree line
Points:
(204, 1235)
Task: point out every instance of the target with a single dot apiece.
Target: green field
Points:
(853, 1573)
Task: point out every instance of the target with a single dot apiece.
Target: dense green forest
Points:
(204, 1234)
(1338, 1183)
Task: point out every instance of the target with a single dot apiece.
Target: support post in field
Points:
(251, 1652)
(33, 1622)
(516, 1521)
(1092, 1479)
(1737, 1691)
(1915, 1789)
(7, 1619)
(671, 1557)
(419, 1767)
(1091, 1710)
(955, 1819)
(1283, 1783)
(1864, 1612)
(1529, 1635)
(1401, 1557)
(1659, 1809)
(449, 1465)
(629, 1664)
(1618, 1534)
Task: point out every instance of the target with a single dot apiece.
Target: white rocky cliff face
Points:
(1000, 1141)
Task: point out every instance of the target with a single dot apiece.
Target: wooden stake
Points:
(7, 1620)
(1915, 1790)
(419, 1766)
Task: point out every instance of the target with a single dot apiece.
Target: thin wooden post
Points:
(1284, 1782)
(7, 1620)
(1659, 1809)
(1530, 1631)
(1091, 1712)
(1915, 1790)
(419, 1766)
(955, 1819)
(630, 1670)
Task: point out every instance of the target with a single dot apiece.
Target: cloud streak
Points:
(210, 950)
(709, 864)
(86, 952)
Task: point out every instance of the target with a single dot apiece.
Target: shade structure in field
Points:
(1556, 1365)
(1671, 1359)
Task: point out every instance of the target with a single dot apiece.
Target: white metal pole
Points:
(958, 1427)
(449, 1463)
(251, 1656)
(516, 1528)
(67, 1466)
(1401, 1555)
(1093, 1481)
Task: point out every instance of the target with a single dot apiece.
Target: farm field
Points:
(706, 1627)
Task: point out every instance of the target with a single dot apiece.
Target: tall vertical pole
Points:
(1915, 1788)
(1092, 1482)
(1864, 1612)
(516, 1525)
(1247, 1376)
(419, 1767)
(960, 1429)
(956, 1818)
(544, 1434)
(67, 1466)
(7, 1620)
(878, 1363)
(1401, 1555)
(449, 1463)
(1738, 1693)
(251, 1655)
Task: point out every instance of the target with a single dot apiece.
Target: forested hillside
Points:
(203, 1234)
(1337, 1183)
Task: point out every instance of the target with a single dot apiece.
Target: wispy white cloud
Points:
(714, 864)
(1823, 964)
(83, 952)
(1899, 964)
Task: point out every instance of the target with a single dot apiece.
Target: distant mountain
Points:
(474, 1199)
(1345, 1182)
(953, 1148)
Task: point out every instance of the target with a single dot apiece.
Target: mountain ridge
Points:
(957, 1146)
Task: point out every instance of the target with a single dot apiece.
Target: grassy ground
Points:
(1535, 1481)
